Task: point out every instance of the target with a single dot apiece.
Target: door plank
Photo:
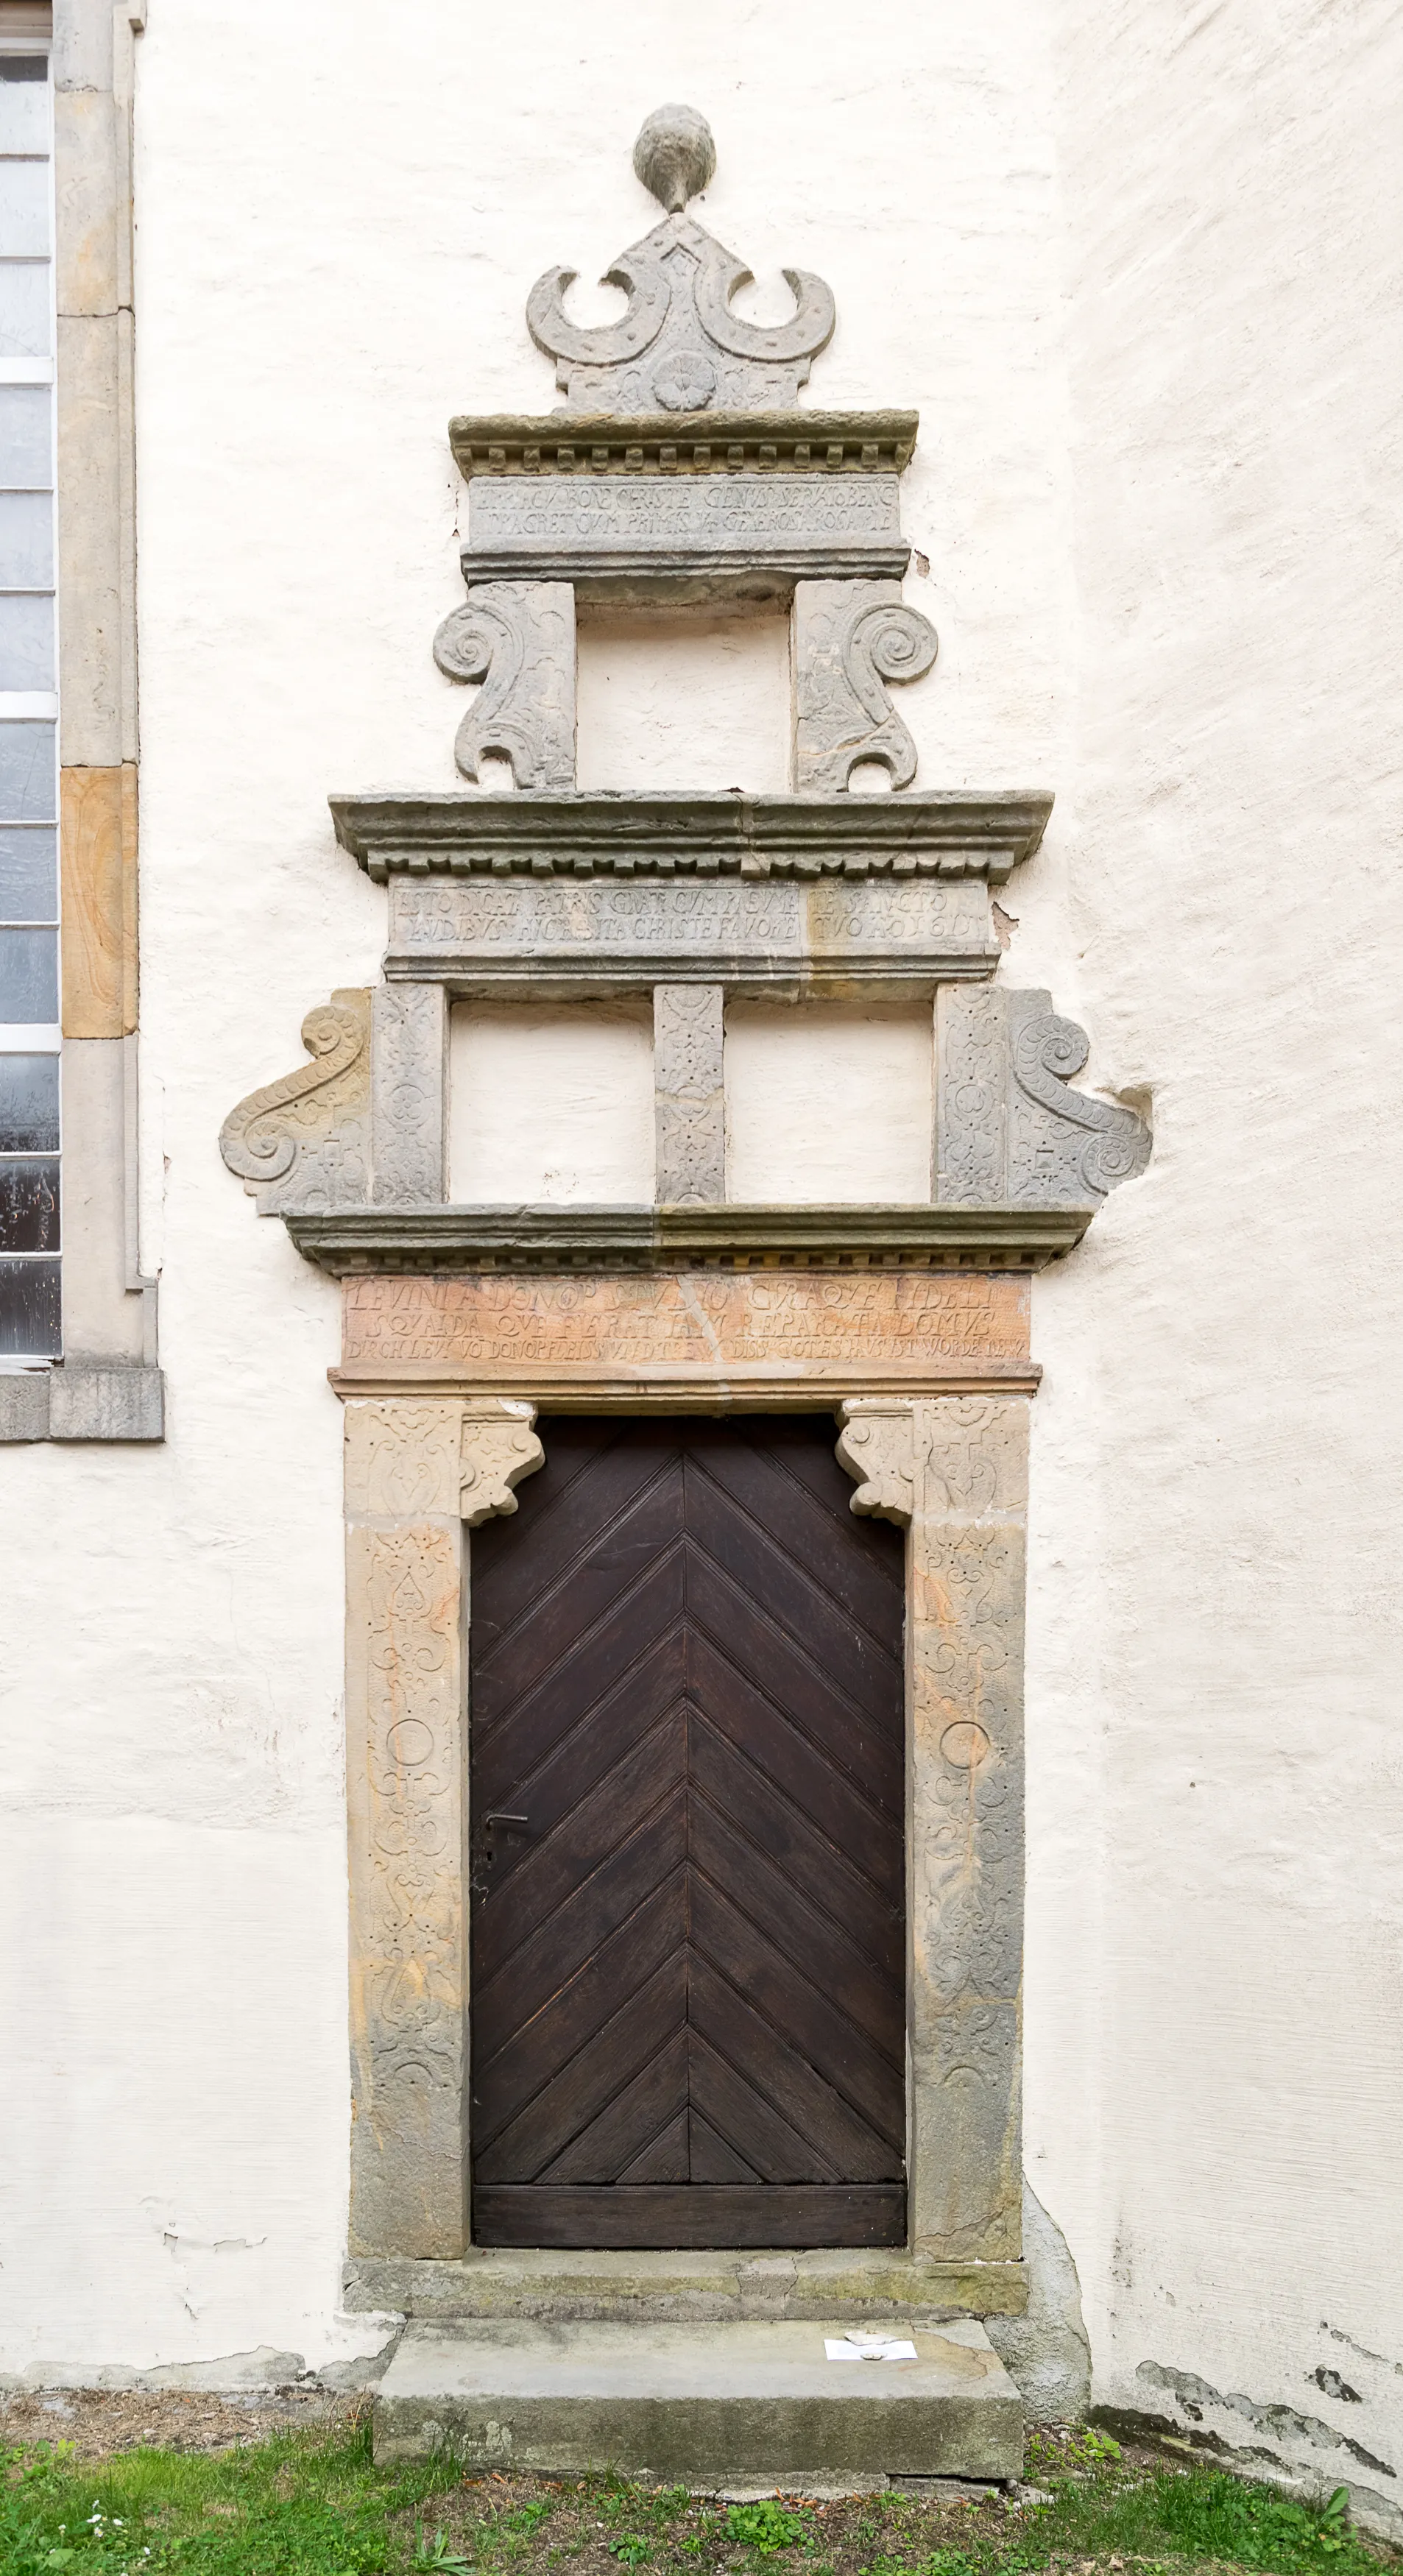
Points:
(692, 2214)
(815, 1946)
(777, 1826)
(589, 1926)
(556, 2043)
(835, 1805)
(629, 2126)
(848, 2142)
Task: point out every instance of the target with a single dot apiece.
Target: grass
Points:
(316, 2505)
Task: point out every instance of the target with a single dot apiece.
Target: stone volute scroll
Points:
(850, 641)
(499, 1447)
(518, 639)
(304, 1142)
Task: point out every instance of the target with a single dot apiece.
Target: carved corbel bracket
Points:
(877, 1445)
(850, 639)
(499, 1447)
(302, 1143)
(518, 639)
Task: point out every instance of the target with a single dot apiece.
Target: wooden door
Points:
(688, 1924)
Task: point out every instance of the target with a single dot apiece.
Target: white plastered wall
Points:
(1129, 269)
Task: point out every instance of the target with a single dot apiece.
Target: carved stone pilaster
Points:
(1010, 1130)
(499, 1447)
(409, 1094)
(953, 1470)
(406, 1806)
(689, 1095)
(415, 1473)
(304, 1142)
(518, 639)
(848, 640)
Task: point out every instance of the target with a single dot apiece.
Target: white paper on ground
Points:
(868, 2348)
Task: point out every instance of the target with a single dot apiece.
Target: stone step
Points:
(699, 2401)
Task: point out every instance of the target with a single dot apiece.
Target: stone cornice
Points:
(733, 442)
(728, 835)
(357, 1240)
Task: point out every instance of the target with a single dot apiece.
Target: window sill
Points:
(78, 1402)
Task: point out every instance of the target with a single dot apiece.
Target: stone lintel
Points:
(725, 834)
(697, 1341)
(846, 2286)
(716, 442)
(352, 1242)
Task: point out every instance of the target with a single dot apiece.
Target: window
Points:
(30, 1314)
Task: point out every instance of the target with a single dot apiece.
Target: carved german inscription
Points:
(784, 1334)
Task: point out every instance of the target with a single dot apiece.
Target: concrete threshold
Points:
(721, 2402)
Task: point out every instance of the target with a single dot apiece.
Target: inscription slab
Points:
(606, 527)
(681, 1337)
(546, 935)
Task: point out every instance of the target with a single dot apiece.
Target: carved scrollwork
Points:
(639, 274)
(719, 277)
(851, 638)
(301, 1142)
(499, 1447)
(1047, 1052)
(518, 639)
(1010, 1130)
(680, 346)
(877, 1445)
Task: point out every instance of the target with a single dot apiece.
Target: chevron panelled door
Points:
(688, 1919)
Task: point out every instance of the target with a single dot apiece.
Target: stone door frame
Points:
(422, 1472)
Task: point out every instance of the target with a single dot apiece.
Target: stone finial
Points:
(675, 155)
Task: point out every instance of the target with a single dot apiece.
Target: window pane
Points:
(30, 1313)
(29, 1206)
(26, 540)
(24, 208)
(26, 640)
(27, 782)
(28, 1104)
(26, 443)
(25, 296)
(24, 103)
(28, 873)
(28, 975)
